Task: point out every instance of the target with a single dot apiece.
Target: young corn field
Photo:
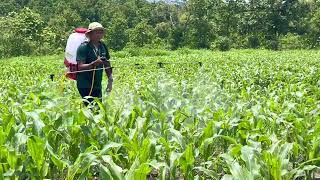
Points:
(236, 115)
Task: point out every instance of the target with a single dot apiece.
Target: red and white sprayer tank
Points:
(74, 41)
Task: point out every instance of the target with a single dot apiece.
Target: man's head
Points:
(95, 31)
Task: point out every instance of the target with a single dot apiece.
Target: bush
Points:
(120, 54)
(253, 42)
(153, 52)
(222, 44)
(272, 45)
(157, 43)
(184, 51)
(241, 42)
(136, 51)
(292, 41)
(1, 52)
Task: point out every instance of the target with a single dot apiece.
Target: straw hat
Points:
(94, 26)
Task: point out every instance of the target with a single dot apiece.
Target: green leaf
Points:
(207, 172)
(131, 173)
(2, 136)
(12, 159)
(37, 123)
(109, 146)
(186, 161)
(158, 165)
(45, 169)
(82, 164)
(115, 170)
(248, 156)
(142, 172)
(227, 177)
(105, 173)
(174, 157)
(36, 148)
(178, 138)
(20, 139)
(227, 138)
(55, 159)
(145, 150)
(240, 173)
(188, 154)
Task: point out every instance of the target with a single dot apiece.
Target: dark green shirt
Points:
(86, 54)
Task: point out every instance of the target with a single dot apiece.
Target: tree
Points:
(314, 29)
(142, 34)
(21, 32)
(198, 30)
(117, 35)
(180, 23)
(63, 24)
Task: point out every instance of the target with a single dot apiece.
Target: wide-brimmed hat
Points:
(94, 26)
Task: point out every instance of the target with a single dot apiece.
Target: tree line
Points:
(31, 27)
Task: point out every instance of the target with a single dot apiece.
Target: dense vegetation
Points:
(241, 115)
(42, 26)
(199, 114)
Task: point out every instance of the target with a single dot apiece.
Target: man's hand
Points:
(97, 62)
(109, 86)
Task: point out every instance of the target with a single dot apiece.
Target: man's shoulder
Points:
(83, 46)
(104, 44)
(105, 50)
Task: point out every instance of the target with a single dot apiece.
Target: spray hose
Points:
(92, 82)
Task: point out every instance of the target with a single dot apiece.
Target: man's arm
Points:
(107, 64)
(108, 69)
(83, 66)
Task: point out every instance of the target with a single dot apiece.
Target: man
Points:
(93, 55)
